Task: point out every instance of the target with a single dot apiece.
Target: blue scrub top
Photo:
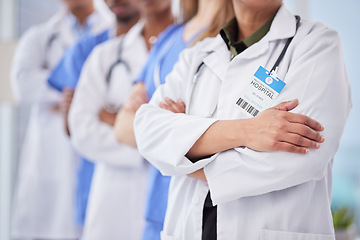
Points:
(164, 53)
(66, 75)
(67, 72)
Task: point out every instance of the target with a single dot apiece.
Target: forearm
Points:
(31, 86)
(220, 136)
(124, 127)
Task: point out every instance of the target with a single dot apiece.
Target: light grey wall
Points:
(31, 12)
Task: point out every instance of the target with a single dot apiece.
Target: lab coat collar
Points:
(134, 33)
(282, 27)
(218, 59)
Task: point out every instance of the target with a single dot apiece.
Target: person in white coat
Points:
(117, 195)
(236, 176)
(44, 202)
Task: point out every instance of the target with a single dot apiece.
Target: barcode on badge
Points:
(247, 107)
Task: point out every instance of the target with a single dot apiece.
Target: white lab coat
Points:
(259, 195)
(44, 197)
(117, 196)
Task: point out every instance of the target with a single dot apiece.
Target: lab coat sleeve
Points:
(28, 75)
(318, 63)
(91, 137)
(163, 137)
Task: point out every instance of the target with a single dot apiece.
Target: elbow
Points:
(124, 129)
(119, 132)
(318, 172)
(316, 168)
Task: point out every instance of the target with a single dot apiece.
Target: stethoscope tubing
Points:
(274, 68)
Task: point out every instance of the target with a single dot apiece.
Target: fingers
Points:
(301, 141)
(136, 99)
(67, 96)
(287, 106)
(298, 118)
(288, 147)
(306, 131)
(305, 120)
(175, 107)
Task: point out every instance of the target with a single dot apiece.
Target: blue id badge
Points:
(261, 92)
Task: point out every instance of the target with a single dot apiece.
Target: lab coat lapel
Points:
(65, 33)
(218, 57)
(283, 27)
(134, 33)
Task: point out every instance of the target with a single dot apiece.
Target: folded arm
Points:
(92, 137)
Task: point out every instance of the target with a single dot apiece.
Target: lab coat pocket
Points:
(164, 236)
(281, 235)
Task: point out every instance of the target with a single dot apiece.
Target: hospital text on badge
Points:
(261, 92)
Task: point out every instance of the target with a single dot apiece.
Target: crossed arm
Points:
(276, 129)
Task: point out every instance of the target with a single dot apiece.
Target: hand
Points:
(276, 129)
(107, 117)
(137, 97)
(66, 99)
(175, 107)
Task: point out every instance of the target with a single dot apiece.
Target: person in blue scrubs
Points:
(203, 18)
(67, 73)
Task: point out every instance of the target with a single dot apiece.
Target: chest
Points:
(220, 94)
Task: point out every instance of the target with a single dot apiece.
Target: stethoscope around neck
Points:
(54, 36)
(273, 70)
(110, 107)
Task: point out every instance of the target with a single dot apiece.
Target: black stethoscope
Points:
(110, 107)
(273, 70)
(118, 61)
(53, 37)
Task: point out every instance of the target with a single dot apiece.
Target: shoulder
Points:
(86, 44)
(204, 47)
(166, 37)
(314, 35)
(168, 33)
(108, 47)
(46, 28)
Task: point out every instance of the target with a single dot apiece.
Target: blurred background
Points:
(16, 16)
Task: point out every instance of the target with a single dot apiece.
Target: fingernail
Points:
(322, 138)
(317, 145)
(322, 127)
(306, 150)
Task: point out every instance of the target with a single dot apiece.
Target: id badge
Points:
(261, 92)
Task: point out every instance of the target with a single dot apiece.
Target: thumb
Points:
(287, 106)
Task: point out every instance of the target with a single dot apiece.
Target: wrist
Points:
(242, 132)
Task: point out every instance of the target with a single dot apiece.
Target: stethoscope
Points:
(273, 70)
(53, 37)
(110, 107)
(164, 52)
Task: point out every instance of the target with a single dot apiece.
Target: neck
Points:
(251, 18)
(156, 23)
(204, 17)
(124, 27)
(81, 13)
(207, 11)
